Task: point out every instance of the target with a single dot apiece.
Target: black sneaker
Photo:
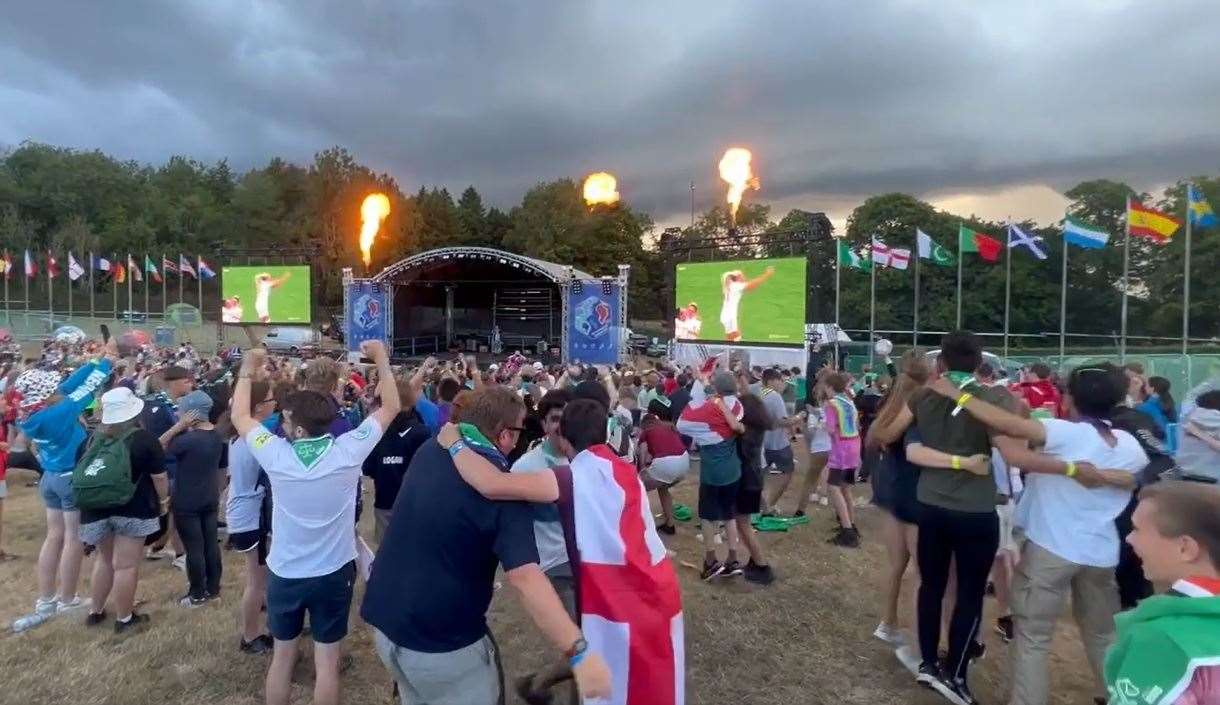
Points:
(711, 570)
(667, 529)
(962, 690)
(759, 574)
(258, 645)
(798, 514)
(95, 618)
(1004, 627)
(847, 538)
(732, 568)
(135, 623)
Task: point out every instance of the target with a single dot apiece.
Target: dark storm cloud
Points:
(840, 100)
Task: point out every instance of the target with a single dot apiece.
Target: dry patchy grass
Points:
(805, 639)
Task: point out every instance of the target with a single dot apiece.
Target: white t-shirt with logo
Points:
(1062, 515)
(313, 480)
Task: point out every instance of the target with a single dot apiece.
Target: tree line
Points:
(65, 199)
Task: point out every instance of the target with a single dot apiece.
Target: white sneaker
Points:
(890, 634)
(861, 502)
(74, 604)
(824, 501)
(44, 610)
(908, 658)
(180, 562)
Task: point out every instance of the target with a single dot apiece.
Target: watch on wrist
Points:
(577, 649)
(456, 448)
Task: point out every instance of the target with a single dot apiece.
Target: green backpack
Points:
(102, 478)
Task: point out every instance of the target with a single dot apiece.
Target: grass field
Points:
(289, 302)
(772, 313)
(805, 640)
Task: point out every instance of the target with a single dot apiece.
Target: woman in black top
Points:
(749, 491)
(118, 532)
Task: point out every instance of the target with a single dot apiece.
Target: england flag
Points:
(703, 421)
(630, 603)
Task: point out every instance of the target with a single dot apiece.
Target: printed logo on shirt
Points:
(310, 450)
(362, 432)
(405, 431)
(262, 439)
(391, 460)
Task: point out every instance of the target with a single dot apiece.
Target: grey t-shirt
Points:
(775, 438)
(963, 435)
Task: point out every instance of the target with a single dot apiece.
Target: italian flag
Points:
(849, 258)
(972, 241)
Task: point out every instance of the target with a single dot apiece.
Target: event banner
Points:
(367, 313)
(593, 331)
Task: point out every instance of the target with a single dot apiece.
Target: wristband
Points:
(956, 462)
(577, 652)
(961, 403)
(456, 448)
(1070, 471)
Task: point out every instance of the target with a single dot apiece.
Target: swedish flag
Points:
(1198, 209)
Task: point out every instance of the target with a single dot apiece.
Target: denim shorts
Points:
(56, 491)
(327, 599)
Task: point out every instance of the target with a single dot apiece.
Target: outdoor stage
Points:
(488, 303)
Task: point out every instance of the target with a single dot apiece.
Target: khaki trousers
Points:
(1040, 587)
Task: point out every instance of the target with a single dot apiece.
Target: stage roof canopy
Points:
(557, 273)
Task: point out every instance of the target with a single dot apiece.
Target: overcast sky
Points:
(987, 107)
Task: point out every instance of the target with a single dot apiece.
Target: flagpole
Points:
(114, 290)
(92, 266)
(181, 274)
(915, 324)
(69, 284)
(8, 272)
(27, 290)
(199, 285)
(958, 324)
(872, 302)
(130, 276)
(147, 286)
(50, 294)
(1186, 280)
(164, 283)
(1007, 282)
(838, 266)
(1122, 339)
(1063, 304)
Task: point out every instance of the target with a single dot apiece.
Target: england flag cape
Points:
(629, 601)
(703, 421)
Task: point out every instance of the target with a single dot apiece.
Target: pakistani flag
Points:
(930, 250)
(848, 258)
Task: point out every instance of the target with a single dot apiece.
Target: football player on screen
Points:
(263, 284)
(734, 284)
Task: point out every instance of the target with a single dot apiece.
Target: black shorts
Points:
(718, 502)
(841, 478)
(253, 540)
(327, 599)
(749, 501)
(782, 459)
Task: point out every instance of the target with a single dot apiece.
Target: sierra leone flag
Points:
(1081, 234)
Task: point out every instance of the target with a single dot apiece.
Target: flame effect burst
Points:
(373, 210)
(601, 188)
(735, 170)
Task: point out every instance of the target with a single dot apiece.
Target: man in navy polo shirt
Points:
(433, 577)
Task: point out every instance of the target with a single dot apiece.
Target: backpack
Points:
(102, 478)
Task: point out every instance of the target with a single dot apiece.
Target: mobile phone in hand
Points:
(105, 333)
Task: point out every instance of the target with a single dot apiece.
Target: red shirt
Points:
(662, 439)
(1041, 395)
(669, 385)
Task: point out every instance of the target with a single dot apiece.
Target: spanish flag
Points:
(1154, 225)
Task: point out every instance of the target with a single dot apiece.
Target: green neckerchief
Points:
(961, 379)
(310, 450)
(473, 436)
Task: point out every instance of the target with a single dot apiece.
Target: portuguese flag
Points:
(971, 241)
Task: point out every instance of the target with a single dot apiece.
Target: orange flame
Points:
(601, 188)
(735, 170)
(373, 210)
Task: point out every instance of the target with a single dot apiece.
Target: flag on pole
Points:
(167, 266)
(185, 267)
(204, 270)
(1019, 238)
(75, 270)
(886, 256)
(117, 271)
(972, 241)
(1143, 221)
(6, 265)
(151, 268)
(928, 249)
(30, 268)
(849, 258)
(134, 268)
(1081, 234)
(1198, 209)
(101, 264)
(52, 266)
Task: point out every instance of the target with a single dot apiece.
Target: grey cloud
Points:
(837, 100)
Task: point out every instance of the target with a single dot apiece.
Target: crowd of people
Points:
(1044, 490)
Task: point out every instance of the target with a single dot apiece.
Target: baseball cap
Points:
(198, 402)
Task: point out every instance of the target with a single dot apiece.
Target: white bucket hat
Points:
(120, 404)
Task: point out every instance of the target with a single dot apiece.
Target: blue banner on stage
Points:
(593, 331)
(367, 313)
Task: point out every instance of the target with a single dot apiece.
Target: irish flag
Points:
(973, 241)
(630, 603)
(1152, 224)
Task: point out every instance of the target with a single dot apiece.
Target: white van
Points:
(292, 341)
